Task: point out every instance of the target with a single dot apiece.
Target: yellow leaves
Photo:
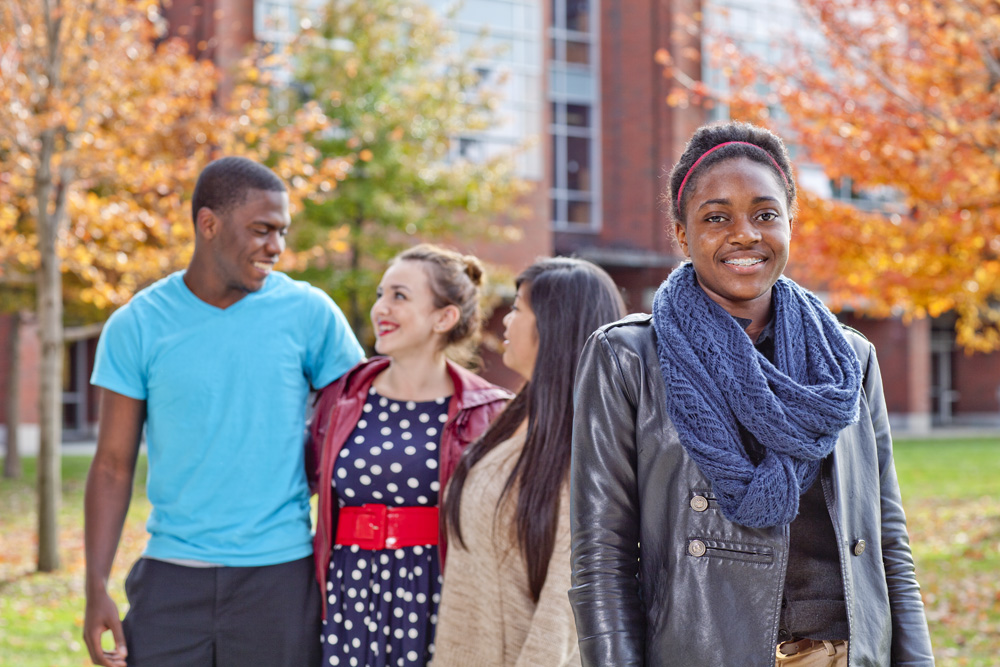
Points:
(135, 126)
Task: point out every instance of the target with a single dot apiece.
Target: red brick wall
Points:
(977, 379)
(218, 30)
(29, 351)
(641, 135)
(904, 359)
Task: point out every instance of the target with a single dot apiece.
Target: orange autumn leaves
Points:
(132, 118)
(123, 117)
(904, 101)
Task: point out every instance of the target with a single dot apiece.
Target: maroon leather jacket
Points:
(471, 410)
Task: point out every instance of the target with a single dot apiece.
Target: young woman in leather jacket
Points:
(734, 499)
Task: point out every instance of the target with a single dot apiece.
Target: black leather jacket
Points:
(660, 577)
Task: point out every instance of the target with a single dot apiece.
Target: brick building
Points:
(581, 76)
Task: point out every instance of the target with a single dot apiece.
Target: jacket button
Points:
(699, 503)
(859, 547)
(696, 548)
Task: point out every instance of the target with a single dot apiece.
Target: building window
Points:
(574, 96)
(513, 34)
(511, 31)
(279, 21)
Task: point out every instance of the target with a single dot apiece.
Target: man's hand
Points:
(102, 615)
(105, 504)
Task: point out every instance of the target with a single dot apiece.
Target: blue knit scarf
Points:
(795, 407)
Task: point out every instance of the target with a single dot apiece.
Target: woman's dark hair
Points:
(570, 299)
(767, 149)
(454, 280)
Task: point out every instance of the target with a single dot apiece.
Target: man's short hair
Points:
(225, 182)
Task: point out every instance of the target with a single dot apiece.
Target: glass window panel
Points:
(578, 175)
(71, 416)
(488, 12)
(556, 209)
(557, 182)
(577, 52)
(578, 15)
(578, 115)
(578, 212)
(531, 123)
(531, 17)
(556, 118)
(470, 149)
(579, 84)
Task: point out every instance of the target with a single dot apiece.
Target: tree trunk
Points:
(12, 455)
(50, 325)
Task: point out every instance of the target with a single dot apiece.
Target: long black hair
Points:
(570, 299)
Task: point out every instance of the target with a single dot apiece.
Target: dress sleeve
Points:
(911, 644)
(605, 595)
(552, 640)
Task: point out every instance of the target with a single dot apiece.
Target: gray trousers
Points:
(222, 616)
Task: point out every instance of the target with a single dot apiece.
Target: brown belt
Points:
(797, 646)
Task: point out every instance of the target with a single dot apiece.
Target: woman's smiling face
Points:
(736, 232)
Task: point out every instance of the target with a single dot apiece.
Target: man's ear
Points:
(207, 223)
(680, 233)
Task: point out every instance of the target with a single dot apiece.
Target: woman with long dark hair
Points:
(388, 435)
(507, 506)
(734, 496)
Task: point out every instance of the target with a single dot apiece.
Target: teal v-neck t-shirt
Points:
(225, 393)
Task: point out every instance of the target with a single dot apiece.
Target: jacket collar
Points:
(470, 389)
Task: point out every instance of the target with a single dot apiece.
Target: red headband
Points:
(680, 190)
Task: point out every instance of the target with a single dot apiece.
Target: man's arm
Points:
(106, 501)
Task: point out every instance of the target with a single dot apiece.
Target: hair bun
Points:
(473, 269)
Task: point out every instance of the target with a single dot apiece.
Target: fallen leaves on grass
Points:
(956, 544)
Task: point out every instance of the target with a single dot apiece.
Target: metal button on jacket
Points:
(859, 547)
(696, 548)
(699, 503)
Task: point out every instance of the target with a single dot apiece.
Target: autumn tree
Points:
(902, 101)
(102, 133)
(386, 96)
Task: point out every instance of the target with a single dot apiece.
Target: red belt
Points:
(380, 527)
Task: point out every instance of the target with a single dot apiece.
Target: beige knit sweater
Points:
(487, 617)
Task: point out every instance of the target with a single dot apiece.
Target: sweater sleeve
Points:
(552, 636)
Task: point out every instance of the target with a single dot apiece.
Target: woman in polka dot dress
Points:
(384, 440)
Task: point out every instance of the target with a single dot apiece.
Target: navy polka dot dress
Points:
(381, 606)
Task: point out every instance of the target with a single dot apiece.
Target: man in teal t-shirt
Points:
(216, 362)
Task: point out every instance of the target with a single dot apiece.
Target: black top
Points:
(813, 602)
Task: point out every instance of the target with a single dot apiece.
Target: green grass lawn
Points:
(41, 615)
(951, 491)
